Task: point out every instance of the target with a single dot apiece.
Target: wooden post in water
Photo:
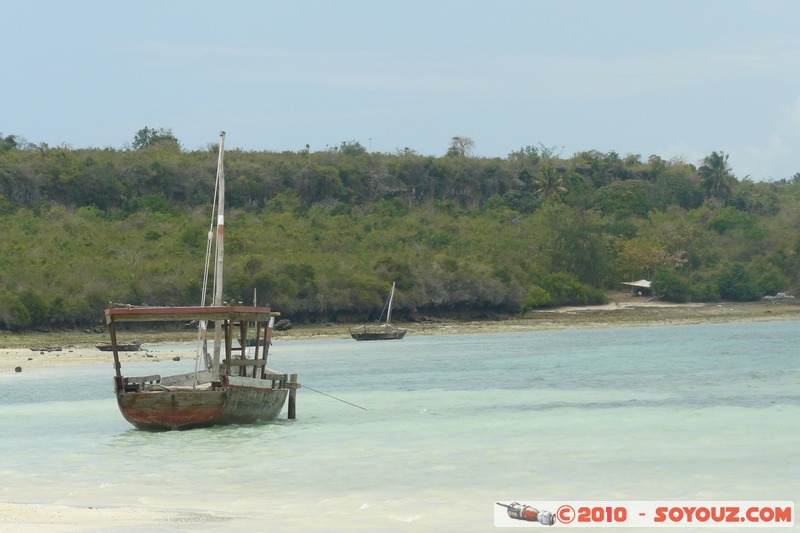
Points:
(292, 396)
(257, 351)
(243, 348)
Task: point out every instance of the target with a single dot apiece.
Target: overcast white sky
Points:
(674, 78)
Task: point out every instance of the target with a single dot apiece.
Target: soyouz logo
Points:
(645, 514)
(530, 514)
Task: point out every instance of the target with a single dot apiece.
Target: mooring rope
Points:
(334, 397)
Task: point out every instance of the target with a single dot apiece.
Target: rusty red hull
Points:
(187, 409)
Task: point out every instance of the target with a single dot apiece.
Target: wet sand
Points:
(35, 518)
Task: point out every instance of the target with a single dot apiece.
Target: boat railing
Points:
(279, 380)
(135, 384)
(203, 376)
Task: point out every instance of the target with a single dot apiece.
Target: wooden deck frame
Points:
(229, 315)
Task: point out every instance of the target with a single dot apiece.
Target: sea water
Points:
(427, 433)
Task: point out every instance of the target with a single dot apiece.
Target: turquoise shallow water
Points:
(451, 425)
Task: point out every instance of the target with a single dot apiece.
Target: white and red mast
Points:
(220, 249)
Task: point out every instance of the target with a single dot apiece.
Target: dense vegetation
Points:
(321, 235)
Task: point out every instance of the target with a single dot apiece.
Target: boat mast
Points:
(220, 249)
(389, 309)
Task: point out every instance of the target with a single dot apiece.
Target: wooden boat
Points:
(134, 346)
(46, 349)
(237, 388)
(381, 331)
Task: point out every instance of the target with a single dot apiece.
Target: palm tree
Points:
(715, 175)
(550, 185)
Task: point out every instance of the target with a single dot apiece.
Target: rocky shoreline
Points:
(55, 349)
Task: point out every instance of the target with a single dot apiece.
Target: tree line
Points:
(321, 235)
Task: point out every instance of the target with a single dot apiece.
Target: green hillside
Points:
(321, 235)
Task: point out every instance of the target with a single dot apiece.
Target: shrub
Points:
(536, 297)
(595, 296)
(771, 281)
(565, 289)
(671, 286)
(735, 284)
(14, 315)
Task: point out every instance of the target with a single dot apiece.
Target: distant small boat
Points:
(134, 346)
(380, 332)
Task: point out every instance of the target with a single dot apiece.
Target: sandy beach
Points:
(34, 518)
(21, 352)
